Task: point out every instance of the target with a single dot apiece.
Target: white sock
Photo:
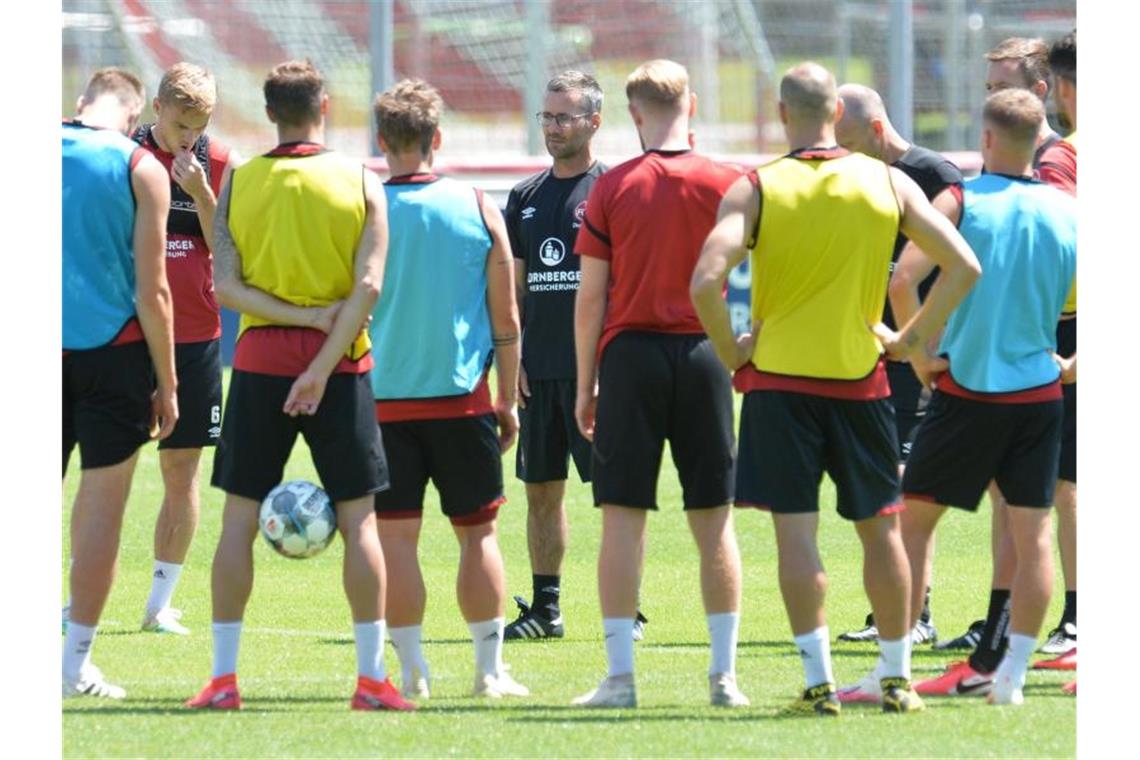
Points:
(162, 586)
(723, 629)
(407, 641)
(815, 652)
(619, 645)
(370, 649)
(894, 658)
(227, 638)
(77, 649)
(488, 638)
(1016, 661)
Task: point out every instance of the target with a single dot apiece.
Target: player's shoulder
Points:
(1059, 151)
(527, 187)
(214, 148)
(919, 162)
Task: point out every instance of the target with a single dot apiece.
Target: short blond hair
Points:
(1017, 114)
(659, 82)
(188, 86)
(408, 114)
(121, 83)
(1030, 54)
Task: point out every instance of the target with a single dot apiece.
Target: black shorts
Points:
(909, 399)
(788, 440)
(655, 387)
(549, 435)
(199, 368)
(460, 456)
(106, 403)
(257, 437)
(1067, 346)
(963, 444)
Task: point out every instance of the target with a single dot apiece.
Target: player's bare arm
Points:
(724, 248)
(942, 244)
(368, 275)
(207, 204)
(233, 292)
(913, 266)
(520, 299)
(505, 330)
(153, 300)
(589, 316)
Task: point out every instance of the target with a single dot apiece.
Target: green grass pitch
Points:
(297, 663)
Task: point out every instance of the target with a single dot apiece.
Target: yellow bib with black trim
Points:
(820, 265)
(297, 221)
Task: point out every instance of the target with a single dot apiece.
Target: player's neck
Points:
(403, 164)
(1011, 166)
(810, 136)
(894, 146)
(312, 133)
(671, 135)
(579, 163)
(1044, 133)
(103, 118)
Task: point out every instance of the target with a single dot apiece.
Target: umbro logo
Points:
(528, 213)
(159, 573)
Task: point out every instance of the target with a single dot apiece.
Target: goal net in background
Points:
(489, 57)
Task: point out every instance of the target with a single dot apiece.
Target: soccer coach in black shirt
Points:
(543, 215)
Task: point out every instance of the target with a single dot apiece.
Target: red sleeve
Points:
(956, 191)
(594, 234)
(136, 156)
(1058, 167)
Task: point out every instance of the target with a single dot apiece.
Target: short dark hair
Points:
(293, 93)
(1016, 113)
(1063, 57)
(121, 83)
(407, 115)
(577, 81)
(1031, 55)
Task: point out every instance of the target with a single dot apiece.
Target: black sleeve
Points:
(511, 216)
(949, 173)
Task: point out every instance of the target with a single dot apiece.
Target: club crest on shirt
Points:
(551, 252)
(579, 215)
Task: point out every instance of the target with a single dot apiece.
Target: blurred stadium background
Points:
(490, 60)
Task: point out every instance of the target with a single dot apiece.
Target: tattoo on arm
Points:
(225, 249)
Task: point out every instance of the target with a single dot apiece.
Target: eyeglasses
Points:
(563, 120)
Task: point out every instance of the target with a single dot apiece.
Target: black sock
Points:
(546, 591)
(925, 615)
(1070, 613)
(995, 636)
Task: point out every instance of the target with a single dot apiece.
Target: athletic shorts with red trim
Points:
(788, 440)
(962, 444)
(199, 367)
(106, 403)
(258, 437)
(460, 456)
(657, 387)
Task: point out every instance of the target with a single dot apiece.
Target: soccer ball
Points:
(297, 519)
